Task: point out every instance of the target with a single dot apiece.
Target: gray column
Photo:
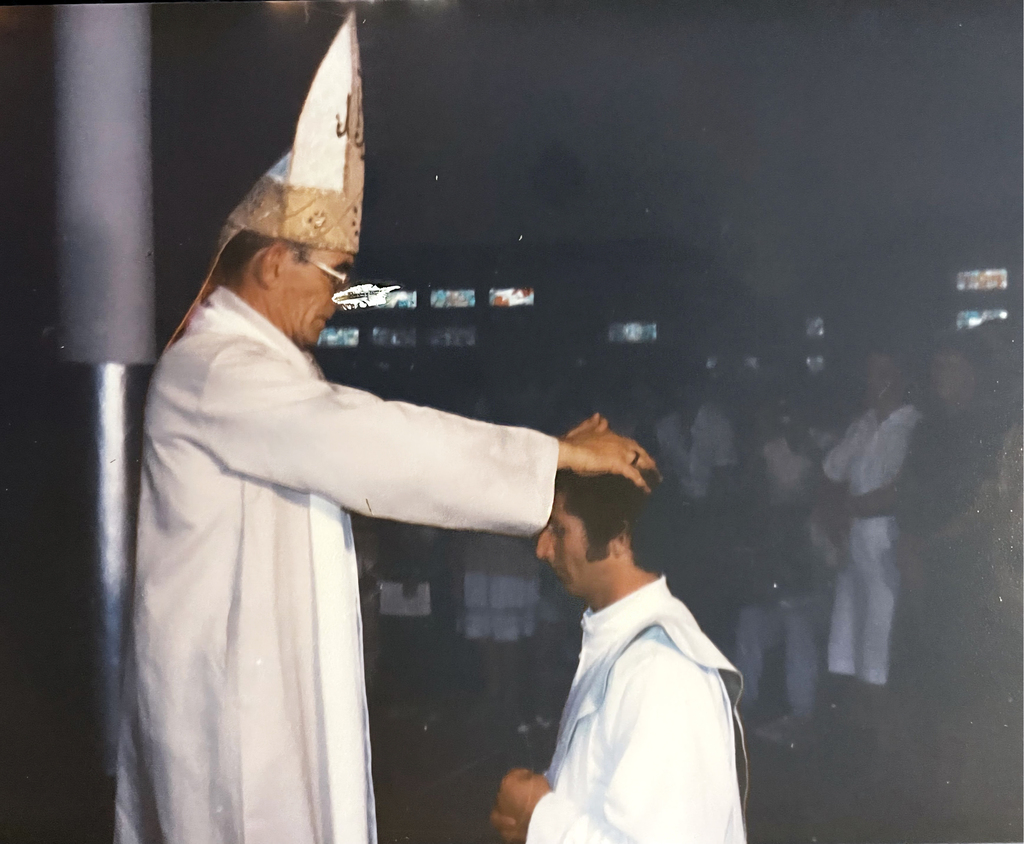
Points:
(104, 183)
(105, 244)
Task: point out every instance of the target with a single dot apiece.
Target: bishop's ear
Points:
(272, 263)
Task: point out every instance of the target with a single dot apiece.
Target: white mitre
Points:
(314, 195)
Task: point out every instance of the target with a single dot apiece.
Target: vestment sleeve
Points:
(671, 752)
(386, 459)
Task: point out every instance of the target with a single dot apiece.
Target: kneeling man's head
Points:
(588, 541)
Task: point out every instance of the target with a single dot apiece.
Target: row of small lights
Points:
(618, 332)
(462, 335)
(498, 297)
(981, 281)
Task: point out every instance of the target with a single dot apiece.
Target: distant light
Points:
(510, 297)
(711, 362)
(815, 327)
(399, 298)
(394, 338)
(752, 363)
(346, 337)
(982, 280)
(815, 363)
(972, 319)
(632, 332)
(452, 298)
(452, 337)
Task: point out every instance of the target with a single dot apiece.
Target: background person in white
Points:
(647, 745)
(863, 467)
(244, 710)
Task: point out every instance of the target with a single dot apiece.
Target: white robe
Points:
(868, 458)
(244, 713)
(647, 746)
(691, 459)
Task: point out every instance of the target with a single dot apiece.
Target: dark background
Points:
(725, 169)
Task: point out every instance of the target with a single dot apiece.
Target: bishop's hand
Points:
(519, 794)
(592, 448)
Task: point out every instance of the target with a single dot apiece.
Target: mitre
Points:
(313, 195)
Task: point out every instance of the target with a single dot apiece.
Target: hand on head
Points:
(592, 448)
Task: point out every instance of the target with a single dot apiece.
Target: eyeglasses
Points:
(349, 298)
(340, 279)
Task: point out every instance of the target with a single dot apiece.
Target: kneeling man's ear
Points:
(620, 543)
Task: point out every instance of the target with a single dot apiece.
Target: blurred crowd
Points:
(859, 556)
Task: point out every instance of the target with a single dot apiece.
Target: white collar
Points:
(617, 619)
(225, 312)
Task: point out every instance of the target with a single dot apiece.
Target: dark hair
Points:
(238, 251)
(608, 506)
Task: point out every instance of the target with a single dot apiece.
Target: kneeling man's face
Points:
(563, 546)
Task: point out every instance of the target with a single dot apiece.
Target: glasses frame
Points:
(341, 280)
(346, 295)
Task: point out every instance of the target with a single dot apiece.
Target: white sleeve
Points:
(386, 459)
(557, 820)
(839, 460)
(894, 449)
(674, 777)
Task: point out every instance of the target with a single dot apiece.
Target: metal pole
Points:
(105, 244)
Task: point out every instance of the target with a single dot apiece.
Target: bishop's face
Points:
(307, 305)
(563, 546)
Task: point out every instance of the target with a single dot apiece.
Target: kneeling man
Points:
(649, 748)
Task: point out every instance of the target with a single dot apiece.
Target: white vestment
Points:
(244, 713)
(692, 459)
(868, 458)
(647, 746)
